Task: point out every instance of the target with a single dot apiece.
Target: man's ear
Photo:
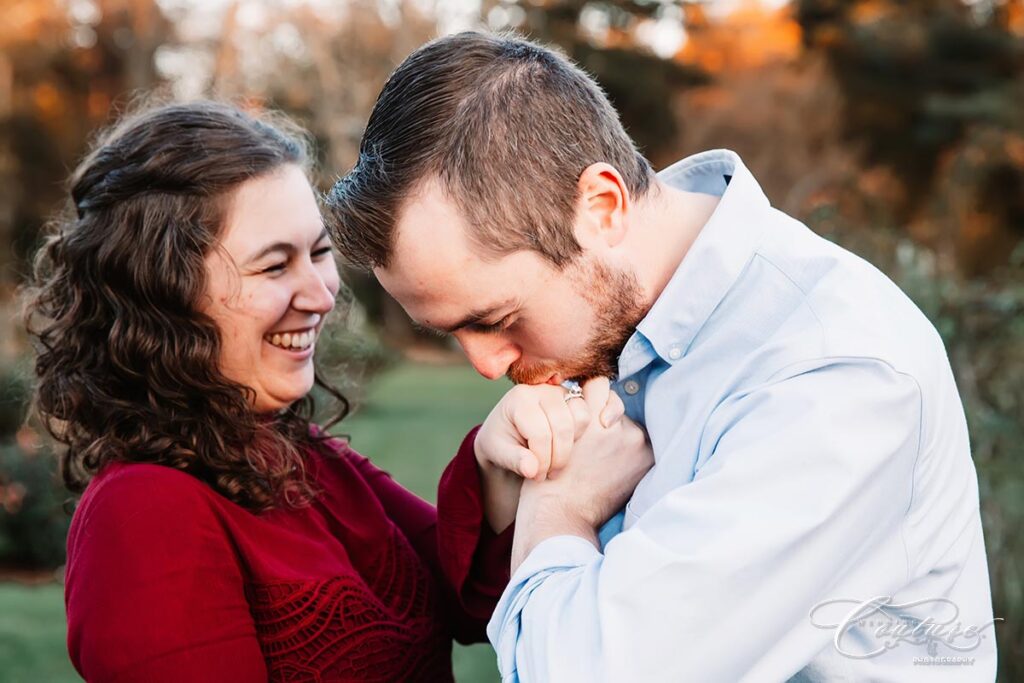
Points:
(602, 206)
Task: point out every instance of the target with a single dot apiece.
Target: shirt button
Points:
(675, 353)
(631, 387)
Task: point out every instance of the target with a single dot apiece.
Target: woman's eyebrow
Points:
(285, 247)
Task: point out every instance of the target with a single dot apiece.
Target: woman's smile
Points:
(298, 343)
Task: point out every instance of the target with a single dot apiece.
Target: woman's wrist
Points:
(499, 491)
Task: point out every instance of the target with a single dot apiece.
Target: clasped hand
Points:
(559, 466)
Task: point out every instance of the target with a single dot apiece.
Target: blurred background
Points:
(895, 128)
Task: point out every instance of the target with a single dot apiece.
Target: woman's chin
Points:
(276, 402)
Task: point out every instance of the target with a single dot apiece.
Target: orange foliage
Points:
(31, 21)
(24, 18)
(747, 38)
(1015, 17)
(98, 104)
(47, 101)
(869, 11)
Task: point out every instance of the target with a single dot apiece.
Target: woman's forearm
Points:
(500, 495)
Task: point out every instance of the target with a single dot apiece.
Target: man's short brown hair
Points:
(505, 125)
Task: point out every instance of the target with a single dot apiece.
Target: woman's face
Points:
(270, 282)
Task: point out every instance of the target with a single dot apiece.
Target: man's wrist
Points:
(542, 516)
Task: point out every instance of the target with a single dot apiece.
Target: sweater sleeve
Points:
(454, 538)
(153, 589)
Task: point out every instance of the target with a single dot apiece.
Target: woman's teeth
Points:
(292, 340)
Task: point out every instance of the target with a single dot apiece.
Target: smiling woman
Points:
(270, 285)
(139, 300)
(221, 535)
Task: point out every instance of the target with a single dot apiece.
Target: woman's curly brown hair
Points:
(127, 366)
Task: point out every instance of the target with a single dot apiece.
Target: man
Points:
(813, 510)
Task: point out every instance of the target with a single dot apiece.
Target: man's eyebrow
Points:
(286, 247)
(475, 317)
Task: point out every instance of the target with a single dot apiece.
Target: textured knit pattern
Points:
(169, 581)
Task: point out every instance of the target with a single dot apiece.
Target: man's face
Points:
(514, 315)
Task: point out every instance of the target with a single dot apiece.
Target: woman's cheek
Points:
(332, 278)
(269, 303)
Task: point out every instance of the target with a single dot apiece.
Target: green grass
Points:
(416, 416)
(410, 424)
(32, 632)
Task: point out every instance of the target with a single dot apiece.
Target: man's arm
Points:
(801, 500)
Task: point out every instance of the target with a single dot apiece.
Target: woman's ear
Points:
(602, 206)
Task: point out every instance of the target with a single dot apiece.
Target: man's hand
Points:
(530, 434)
(604, 467)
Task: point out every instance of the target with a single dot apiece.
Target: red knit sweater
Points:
(169, 581)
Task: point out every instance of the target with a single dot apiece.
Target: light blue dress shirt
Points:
(811, 455)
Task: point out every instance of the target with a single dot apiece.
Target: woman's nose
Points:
(318, 290)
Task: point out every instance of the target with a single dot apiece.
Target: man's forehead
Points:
(439, 275)
(429, 240)
(447, 299)
(433, 260)
(446, 302)
(423, 283)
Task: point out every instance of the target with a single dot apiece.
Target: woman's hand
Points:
(604, 467)
(530, 433)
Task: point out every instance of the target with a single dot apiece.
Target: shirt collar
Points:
(713, 263)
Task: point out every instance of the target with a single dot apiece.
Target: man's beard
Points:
(617, 300)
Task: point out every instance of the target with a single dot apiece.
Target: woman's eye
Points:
(276, 268)
(323, 251)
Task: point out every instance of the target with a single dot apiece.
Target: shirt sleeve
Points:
(802, 499)
(454, 539)
(153, 590)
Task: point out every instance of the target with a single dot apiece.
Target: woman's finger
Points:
(529, 420)
(528, 462)
(581, 415)
(563, 431)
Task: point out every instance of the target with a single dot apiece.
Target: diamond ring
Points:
(574, 391)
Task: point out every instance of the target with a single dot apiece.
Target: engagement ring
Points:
(574, 391)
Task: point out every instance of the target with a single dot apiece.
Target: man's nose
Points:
(490, 354)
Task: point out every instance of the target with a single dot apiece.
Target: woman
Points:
(221, 536)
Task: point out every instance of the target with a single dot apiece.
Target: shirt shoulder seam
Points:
(805, 296)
